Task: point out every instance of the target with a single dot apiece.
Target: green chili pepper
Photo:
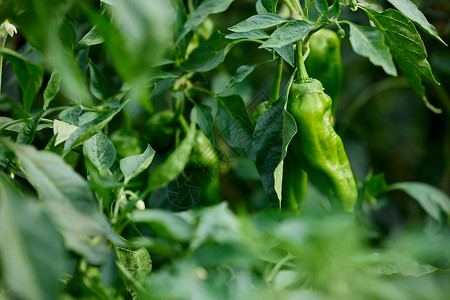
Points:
(324, 62)
(316, 148)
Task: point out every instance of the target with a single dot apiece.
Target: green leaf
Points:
(260, 21)
(100, 151)
(433, 201)
(407, 48)
(175, 163)
(98, 85)
(71, 115)
(138, 263)
(28, 132)
(165, 224)
(200, 14)
(369, 42)
(287, 53)
(209, 54)
(132, 166)
(91, 38)
(270, 146)
(375, 186)
(91, 128)
(322, 7)
(30, 76)
(234, 123)
(410, 10)
(270, 5)
(32, 255)
(288, 34)
(52, 88)
(68, 199)
(68, 34)
(204, 119)
(248, 35)
(62, 130)
(241, 73)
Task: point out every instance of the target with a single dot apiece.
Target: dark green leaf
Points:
(406, 47)
(273, 133)
(260, 21)
(68, 34)
(369, 42)
(375, 186)
(30, 76)
(322, 7)
(175, 163)
(288, 34)
(235, 124)
(52, 88)
(287, 53)
(132, 166)
(91, 128)
(432, 200)
(138, 263)
(270, 5)
(410, 10)
(100, 151)
(241, 73)
(204, 119)
(98, 84)
(26, 135)
(32, 255)
(209, 54)
(165, 224)
(200, 14)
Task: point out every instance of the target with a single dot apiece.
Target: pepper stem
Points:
(275, 91)
(301, 69)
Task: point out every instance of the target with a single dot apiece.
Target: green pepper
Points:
(316, 148)
(324, 62)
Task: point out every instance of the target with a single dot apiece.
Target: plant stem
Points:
(275, 91)
(301, 69)
(3, 42)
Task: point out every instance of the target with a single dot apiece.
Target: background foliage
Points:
(127, 164)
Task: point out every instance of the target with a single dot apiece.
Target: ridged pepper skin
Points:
(316, 148)
(324, 62)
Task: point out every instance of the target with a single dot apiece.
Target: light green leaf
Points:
(406, 47)
(288, 34)
(62, 130)
(209, 54)
(165, 224)
(52, 88)
(32, 255)
(409, 9)
(200, 14)
(68, 199)
(71, 115)
(433, 201)
(100, 151)
(369, 42)
(248, 35)
(260, 21)
(132, 166)
(91, 38)
(138, 263)
(91, 128)
(175, 163)
(30, 76)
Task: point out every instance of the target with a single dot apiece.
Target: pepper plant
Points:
(172, 149)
